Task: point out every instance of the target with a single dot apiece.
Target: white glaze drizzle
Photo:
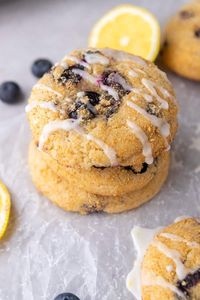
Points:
(85, 75)
(42, 86)
(152, 279)
(71, 124)
(148, 98)
(161, 124)
(110, 91)
(119, 79)
(181, 218)
(140, 71)
(179, 239)
(122, 56)
(164, 92)
(169, 268)
(137, 91)
(141, 135)
(132, 73)
(64, 64)
(80, 94)
(142, 238)
(52, 126)
(96, 58)
(150, 85)
(109, 152)
(175, 256)
(76, 60)
(43, 104)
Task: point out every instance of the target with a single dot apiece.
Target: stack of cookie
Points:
(102, 124)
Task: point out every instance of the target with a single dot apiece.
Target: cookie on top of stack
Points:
(102, 123)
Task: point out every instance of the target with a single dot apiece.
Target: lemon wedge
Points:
(5, 205)
(128, 28)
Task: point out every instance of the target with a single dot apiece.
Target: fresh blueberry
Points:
(10, 92)
(93, 97)
(66, 296)
(40, 67)
(197, 33)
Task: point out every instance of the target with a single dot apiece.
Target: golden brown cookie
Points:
(181, 50)
(171, 265)
(71, 198)
(103, 108)
(102, 181)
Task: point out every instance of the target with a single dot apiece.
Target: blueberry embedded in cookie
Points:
(189, 282)
(186, 14)
(197, 33)
(69, 74)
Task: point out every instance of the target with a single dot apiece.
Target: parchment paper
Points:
(47, 251)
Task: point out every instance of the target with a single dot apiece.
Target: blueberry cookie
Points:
(106, 181)
(181, 50)
(66, 195)
(103, 108)
(171, 265)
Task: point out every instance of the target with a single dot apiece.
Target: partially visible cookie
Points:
(71, 198)
(181, 50)
(171, 265)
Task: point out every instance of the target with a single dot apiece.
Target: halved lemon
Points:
(5, 205)
(128, 28)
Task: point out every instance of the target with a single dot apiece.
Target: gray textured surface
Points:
(47, 251)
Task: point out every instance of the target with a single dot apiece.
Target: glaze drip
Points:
(141, 135)
(71, 124)
(43, 104)
(160, 123)
(42, 86)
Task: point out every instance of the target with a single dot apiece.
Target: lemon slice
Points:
(5, 204)
(128, 28)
